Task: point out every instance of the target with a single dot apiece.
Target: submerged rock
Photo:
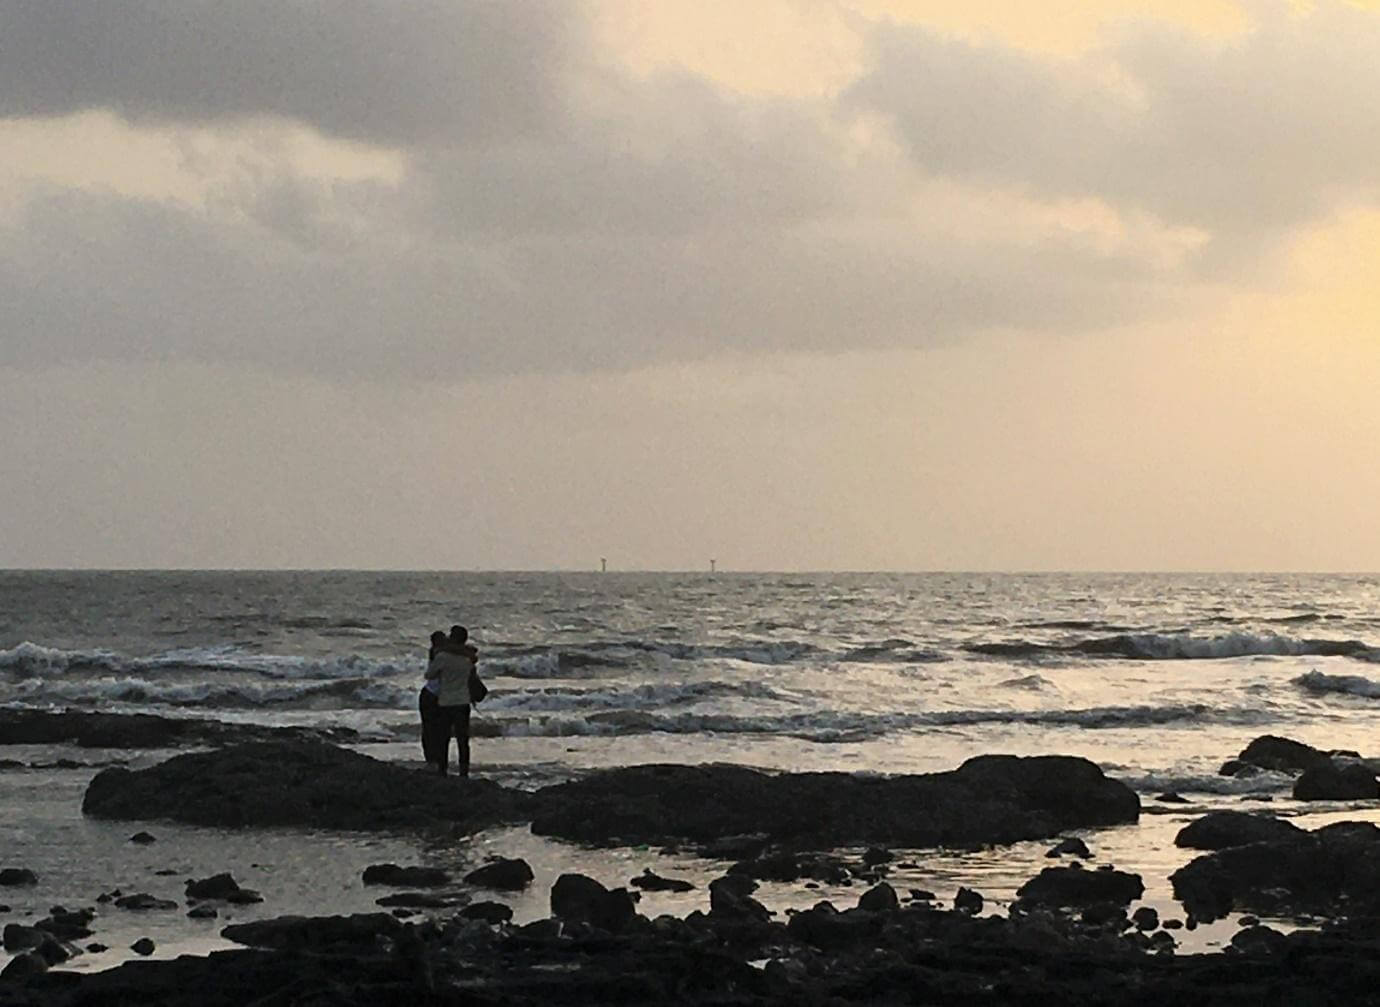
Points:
(650, 881)
(992, 798)
(405, 877)
(502, 874)
(1336, 782)
(1220, 829)
(298, 784)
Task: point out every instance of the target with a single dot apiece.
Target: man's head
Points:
(459, 635)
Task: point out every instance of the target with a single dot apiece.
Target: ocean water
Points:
(1157, 678)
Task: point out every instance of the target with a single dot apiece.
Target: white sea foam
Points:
(31, 659)
(1180, 647)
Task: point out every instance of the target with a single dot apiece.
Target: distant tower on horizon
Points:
(603, 565)
(712, 564)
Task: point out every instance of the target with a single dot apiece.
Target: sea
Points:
(1158, 678)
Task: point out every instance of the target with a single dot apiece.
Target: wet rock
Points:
(1220, 829)
(405, 877)
(1105, 915)
(577, 898)
(922, 895)
(15, 877)
(1237, 768)
(1172, 924)
(1070, 846)
(96, 948)
(314, 933)
(993, 798)
(202, 913)
(489, 912)
(1146, 918)
(67, 926)
(1170, 797)
(649, 881)
(875, 856)
(1336, 782)
(502, 874)
(730, 898)
(793, 865)
(966, 900)
(1282, 754)
(142, 838)
(143, 946)
(17, 937)
(299, 784)
(824, 927)
(219, 886)
(1247, 921)
(425, 900)
(1259, 940)
(24, 966)
(143, 901)
(1070, 887)
(881, 899)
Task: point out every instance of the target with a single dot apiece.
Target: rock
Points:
(143, 946)
(1259, 940)
(95, 948)
(424, 900)
(300, 784)
(921, 895)
(730, 898)
(650, 882)
(881, 899)
(142, 838)
(244, 897)
(143, 901)
(1333, 871)
(1336, 782)
(202, 913)
(1070, 887)
(1071, 846)
(218, 886)
(1220, 829)
(1282, 754)
(314, 933)
(824, 927)
(992, 798)
(1172, 924)
(874, 856)
(502, 874)
(67, 926)
(1170, 797)
(1106, 915)
(14, 877)
(966, 900)
(24, 966)
(1247, 921)
(1235, 767)
(1145, 918)
(578, 898)
(489, 912)
(792, 865)
(405, 877)
(17, 937)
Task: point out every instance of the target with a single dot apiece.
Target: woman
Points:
(452, 668)
(426, 704)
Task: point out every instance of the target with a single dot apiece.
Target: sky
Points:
(792, 284)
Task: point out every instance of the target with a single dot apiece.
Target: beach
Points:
(1156, 682)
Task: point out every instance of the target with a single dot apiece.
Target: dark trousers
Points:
(427, 707)
(453, 721)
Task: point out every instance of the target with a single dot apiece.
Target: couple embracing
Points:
(452, 684)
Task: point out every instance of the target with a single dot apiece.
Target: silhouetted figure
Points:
(427, 705)
(453, 668)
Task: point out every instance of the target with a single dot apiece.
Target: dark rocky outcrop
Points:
(14, 877)
(508, 875)
(489, 912)
(1335, 869)
(1220, 829)
(790, 865)
(987, 799)
(1282, 755)
(578, 898)
(221, 887)
(405, 877)
(1071, 846)
(140, 730)
(307, 933)
(650, 881)
(142, 901)
(1074, 887)
(879, 899)
(299, 784)
(1336, 782)
(143, 946)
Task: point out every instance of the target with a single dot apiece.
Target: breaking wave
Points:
(1179, 647)
(1351, 685)
(29, 660)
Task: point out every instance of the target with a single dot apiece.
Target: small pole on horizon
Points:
(712, 564)
(603, 565)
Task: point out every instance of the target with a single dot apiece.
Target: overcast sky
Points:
(795, 284)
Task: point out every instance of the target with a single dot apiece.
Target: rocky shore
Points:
(88, 729)
(1069, 936)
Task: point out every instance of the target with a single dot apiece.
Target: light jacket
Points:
(453, 671)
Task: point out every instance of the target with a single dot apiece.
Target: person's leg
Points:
(445, 726)
(426, 706)
(462, 739)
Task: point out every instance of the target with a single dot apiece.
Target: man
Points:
(452, 668)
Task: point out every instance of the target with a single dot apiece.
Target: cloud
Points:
(392, 74)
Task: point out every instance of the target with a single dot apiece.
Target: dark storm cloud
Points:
(389, 73)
